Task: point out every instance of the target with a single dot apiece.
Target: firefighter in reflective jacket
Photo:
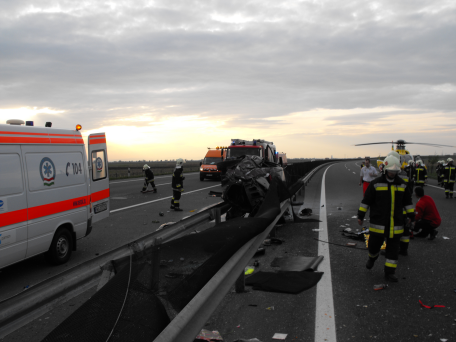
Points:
(177, 184)
(449, 178)
(410, 170)
(420, 174)
(387, 198)
(405, 238)
(148, 179)
(440, 170)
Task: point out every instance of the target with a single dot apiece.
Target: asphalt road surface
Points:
(348, 309)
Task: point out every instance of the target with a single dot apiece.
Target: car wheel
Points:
(201, 178)
(61, 247)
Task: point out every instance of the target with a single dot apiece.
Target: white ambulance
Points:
(50, 192)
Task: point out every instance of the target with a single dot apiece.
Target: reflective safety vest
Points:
(387, 202)
(420, 174)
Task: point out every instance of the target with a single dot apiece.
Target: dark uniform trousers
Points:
(449, 179)
(392, 250)
(176, 198)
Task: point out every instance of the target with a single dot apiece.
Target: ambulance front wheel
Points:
(60, 250)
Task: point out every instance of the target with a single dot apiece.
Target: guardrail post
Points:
(155, 256)
(218, 215)
(239, 286)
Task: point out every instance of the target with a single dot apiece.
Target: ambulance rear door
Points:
(99, 176)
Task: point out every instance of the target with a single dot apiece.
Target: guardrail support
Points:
(155, 258)
(218, 215)
(239, 286)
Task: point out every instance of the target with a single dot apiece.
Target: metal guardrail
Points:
(188, 323)
(28, 305)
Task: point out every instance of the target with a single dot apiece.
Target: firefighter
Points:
(148, 179)
(440, 170)
(177, 184)
(410, 170)
(449, 178)
(387, 198)
(420, 174)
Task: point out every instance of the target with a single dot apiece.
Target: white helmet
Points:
(179, 162)
(411, 162)
(392, 164)
(145, 167)
(394, 153)
(419, 162)
(449, 160)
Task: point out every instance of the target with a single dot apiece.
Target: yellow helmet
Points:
(392, 164)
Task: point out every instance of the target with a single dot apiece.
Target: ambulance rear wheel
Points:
(60, 250)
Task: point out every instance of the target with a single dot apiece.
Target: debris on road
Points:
(380, 287)
(277, 241)
(305, 212)
(445, 238)
(267, 242)
(249, 270)
(155, 221)
(161, 213)
(271, 308)
(278, 336)
(192, 211)
(322, 205)
(430, 307)
(207, 335)
(351, 244)
(297, 263)
(256, 263)
(252, 305)
(260, 251)
(249, 340)
(317, 230)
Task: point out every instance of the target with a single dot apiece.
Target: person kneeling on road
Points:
(427, 216)
(177, 184)
(387, 198)
(148, 179)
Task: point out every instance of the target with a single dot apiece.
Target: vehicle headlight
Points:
(201, 169)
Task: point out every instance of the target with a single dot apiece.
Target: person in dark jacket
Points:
(440, 170)
(387, 198)
(427, 217)
(449, 178)
(177, 183)
(420, 174)
(148, 179)
(410, 170)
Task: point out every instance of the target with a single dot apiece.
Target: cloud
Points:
(134, 63)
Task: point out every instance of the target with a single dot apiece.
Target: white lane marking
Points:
(142, 178)
(160, 199)
(437, 187)
(325, 322)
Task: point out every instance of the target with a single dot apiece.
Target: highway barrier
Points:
(21, 309)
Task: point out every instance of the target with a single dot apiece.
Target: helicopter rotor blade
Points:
(427, 144)
(389, 142)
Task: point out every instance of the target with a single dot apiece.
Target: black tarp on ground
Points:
(297, 263)
(284, 282)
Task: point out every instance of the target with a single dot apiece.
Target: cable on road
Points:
(338, 244)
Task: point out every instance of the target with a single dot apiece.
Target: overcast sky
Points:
(167, 79)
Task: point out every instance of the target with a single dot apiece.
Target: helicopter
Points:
(403, 153)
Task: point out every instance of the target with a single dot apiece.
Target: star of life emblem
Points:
(47, 171)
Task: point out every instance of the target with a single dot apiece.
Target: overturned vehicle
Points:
(246, 180)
